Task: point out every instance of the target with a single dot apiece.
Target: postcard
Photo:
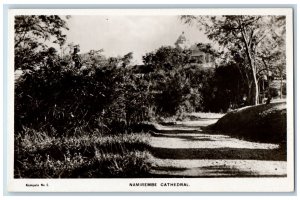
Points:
(151, 100)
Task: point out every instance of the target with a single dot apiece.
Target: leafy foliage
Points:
(31, 32)
(177, 85)
(67, 99)
(255, 38)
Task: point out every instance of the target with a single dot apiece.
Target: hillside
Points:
(261, 123)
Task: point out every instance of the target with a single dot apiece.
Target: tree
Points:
(271, 52)
(31, 33)
(167, 84)
(167, 57)
(244, 34)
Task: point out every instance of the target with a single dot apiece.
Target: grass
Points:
(90, 155)
(261, 123)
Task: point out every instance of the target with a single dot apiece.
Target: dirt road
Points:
(186, 150)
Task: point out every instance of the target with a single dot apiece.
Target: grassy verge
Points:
(38, 155)
(262, 123)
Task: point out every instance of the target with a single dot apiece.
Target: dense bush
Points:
(72, 123)
(67, 100)
(181, 86)
(224, 90)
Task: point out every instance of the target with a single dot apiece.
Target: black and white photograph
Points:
(152, 100)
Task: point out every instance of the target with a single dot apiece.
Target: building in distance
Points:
(201, 54)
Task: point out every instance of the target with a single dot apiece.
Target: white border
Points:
(171, 11)
(122, 185)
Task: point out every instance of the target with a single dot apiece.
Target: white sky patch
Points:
(118, 35)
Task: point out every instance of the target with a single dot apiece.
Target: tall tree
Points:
(31, 34)
(242, 33)
(271, 52)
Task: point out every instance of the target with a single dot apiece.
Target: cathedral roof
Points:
(181, 41)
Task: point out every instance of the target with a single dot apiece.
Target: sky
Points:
(118, 35)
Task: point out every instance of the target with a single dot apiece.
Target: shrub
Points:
(66, 100)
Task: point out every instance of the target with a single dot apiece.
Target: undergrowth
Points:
(38, 155)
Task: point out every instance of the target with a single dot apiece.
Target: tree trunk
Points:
(252, 64)
(256, 94)
(250, 94)
(281, 85)
(255, 81)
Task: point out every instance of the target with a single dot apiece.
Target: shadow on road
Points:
(207, 172)
(219, 153)
(185, 137)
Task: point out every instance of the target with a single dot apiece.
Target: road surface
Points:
(185, 149)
